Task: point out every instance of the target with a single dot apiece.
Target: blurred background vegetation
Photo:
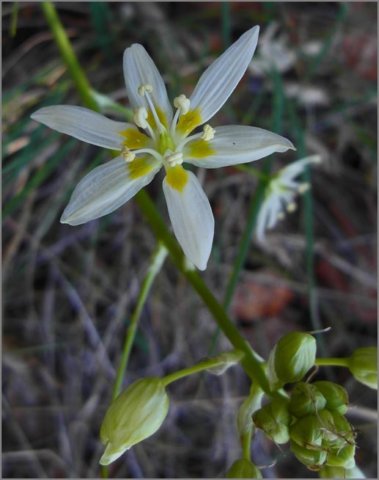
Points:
(69, 291)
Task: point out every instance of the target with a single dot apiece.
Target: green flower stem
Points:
(332, 362)
(252, 362)
(80, 80)
(157, 260)
(246, 446)
(199, 367)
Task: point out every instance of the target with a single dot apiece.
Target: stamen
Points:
(182, 103)
(127, 155)
(303, 187)
(144, 90)
(140, 119)
(208, 133)
(291, 207)
(140, 116)
(174, 159)
(280, 216)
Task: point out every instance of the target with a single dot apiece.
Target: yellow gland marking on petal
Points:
(133, 138)
(199, 149)
(139, 167)
(161, 116)
(189, 122)
(177, 177)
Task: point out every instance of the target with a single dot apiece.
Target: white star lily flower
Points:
(159, 138)
(280, 195)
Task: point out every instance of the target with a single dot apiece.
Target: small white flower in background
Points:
(158, 138)
(273, 54)
(280, 195)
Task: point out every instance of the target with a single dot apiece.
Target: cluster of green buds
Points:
(320, 435)
(312, 418)
(313, 421)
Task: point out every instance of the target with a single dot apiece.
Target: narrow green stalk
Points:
(199, 367)
(14, 19)
(332, 362)
(68, 54)
(157, 260)
(246, 446)
(226, 27)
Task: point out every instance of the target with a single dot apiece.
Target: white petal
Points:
(236, 144)
(103, 190)
(262, 220)
(139, 69)
(192, 220)
(222, 76)
(295, 168)
(84, 124)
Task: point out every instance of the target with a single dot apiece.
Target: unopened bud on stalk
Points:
(291, 358)
(305, 400)
(363, 364)
(243, 468)
(136, 414)
(340, 472)
(306, 432)
(337, 431)
(336, 396)
(342, 457)
(274, 419)
(313, 459)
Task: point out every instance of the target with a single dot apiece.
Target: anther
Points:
(208, 133)
(127, 155)
(174, 159)
(280, 216)
(182, 103)
(291, 207)
(144, 88)
(140, 116)
(303, 187)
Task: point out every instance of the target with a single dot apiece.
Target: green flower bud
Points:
(363, 364)
(341, 457)
(243, 469)
(291, 358)
(313, 459)
(340, 472)
(307, 433)
(134, 415)
(337, 431)
(335, 395)
(305, 400)
(274, 419)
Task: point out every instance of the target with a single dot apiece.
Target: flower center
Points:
(167, 143)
